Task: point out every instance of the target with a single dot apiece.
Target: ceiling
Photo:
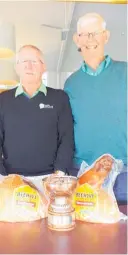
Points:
(28, 17)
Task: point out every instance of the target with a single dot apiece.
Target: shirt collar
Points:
(20, 90)
(104, 64)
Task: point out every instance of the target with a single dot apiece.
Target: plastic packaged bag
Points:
(94, 199)
(21, 200)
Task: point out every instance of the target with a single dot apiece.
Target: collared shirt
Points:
(104, 64)
(20, 91)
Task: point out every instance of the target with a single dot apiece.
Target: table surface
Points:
(86, 238)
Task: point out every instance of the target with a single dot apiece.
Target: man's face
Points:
(30, 66)
(92, 38)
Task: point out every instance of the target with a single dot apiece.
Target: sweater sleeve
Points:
(2, 169)
(65, 151)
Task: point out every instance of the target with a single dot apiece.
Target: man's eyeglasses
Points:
(93, 34)
(32, 61)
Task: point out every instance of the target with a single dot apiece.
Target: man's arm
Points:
(65, 151)
(2, 169)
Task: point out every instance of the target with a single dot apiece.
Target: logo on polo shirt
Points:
(45, 106)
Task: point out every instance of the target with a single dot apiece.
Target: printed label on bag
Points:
(26, 196)
(85, 200)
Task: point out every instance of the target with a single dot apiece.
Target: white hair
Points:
(90, 18)
(29, 47)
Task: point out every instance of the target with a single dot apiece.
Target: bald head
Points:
(30, 47)
(90, 19)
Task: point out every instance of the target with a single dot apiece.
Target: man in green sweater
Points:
(97, 93)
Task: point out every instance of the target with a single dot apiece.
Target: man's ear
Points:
(43, 68)
(107, 35)
(16, 67)
(76, 40)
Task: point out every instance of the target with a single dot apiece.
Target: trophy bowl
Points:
(61, 214)
(60, 185)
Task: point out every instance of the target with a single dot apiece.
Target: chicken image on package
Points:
(94, 199)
